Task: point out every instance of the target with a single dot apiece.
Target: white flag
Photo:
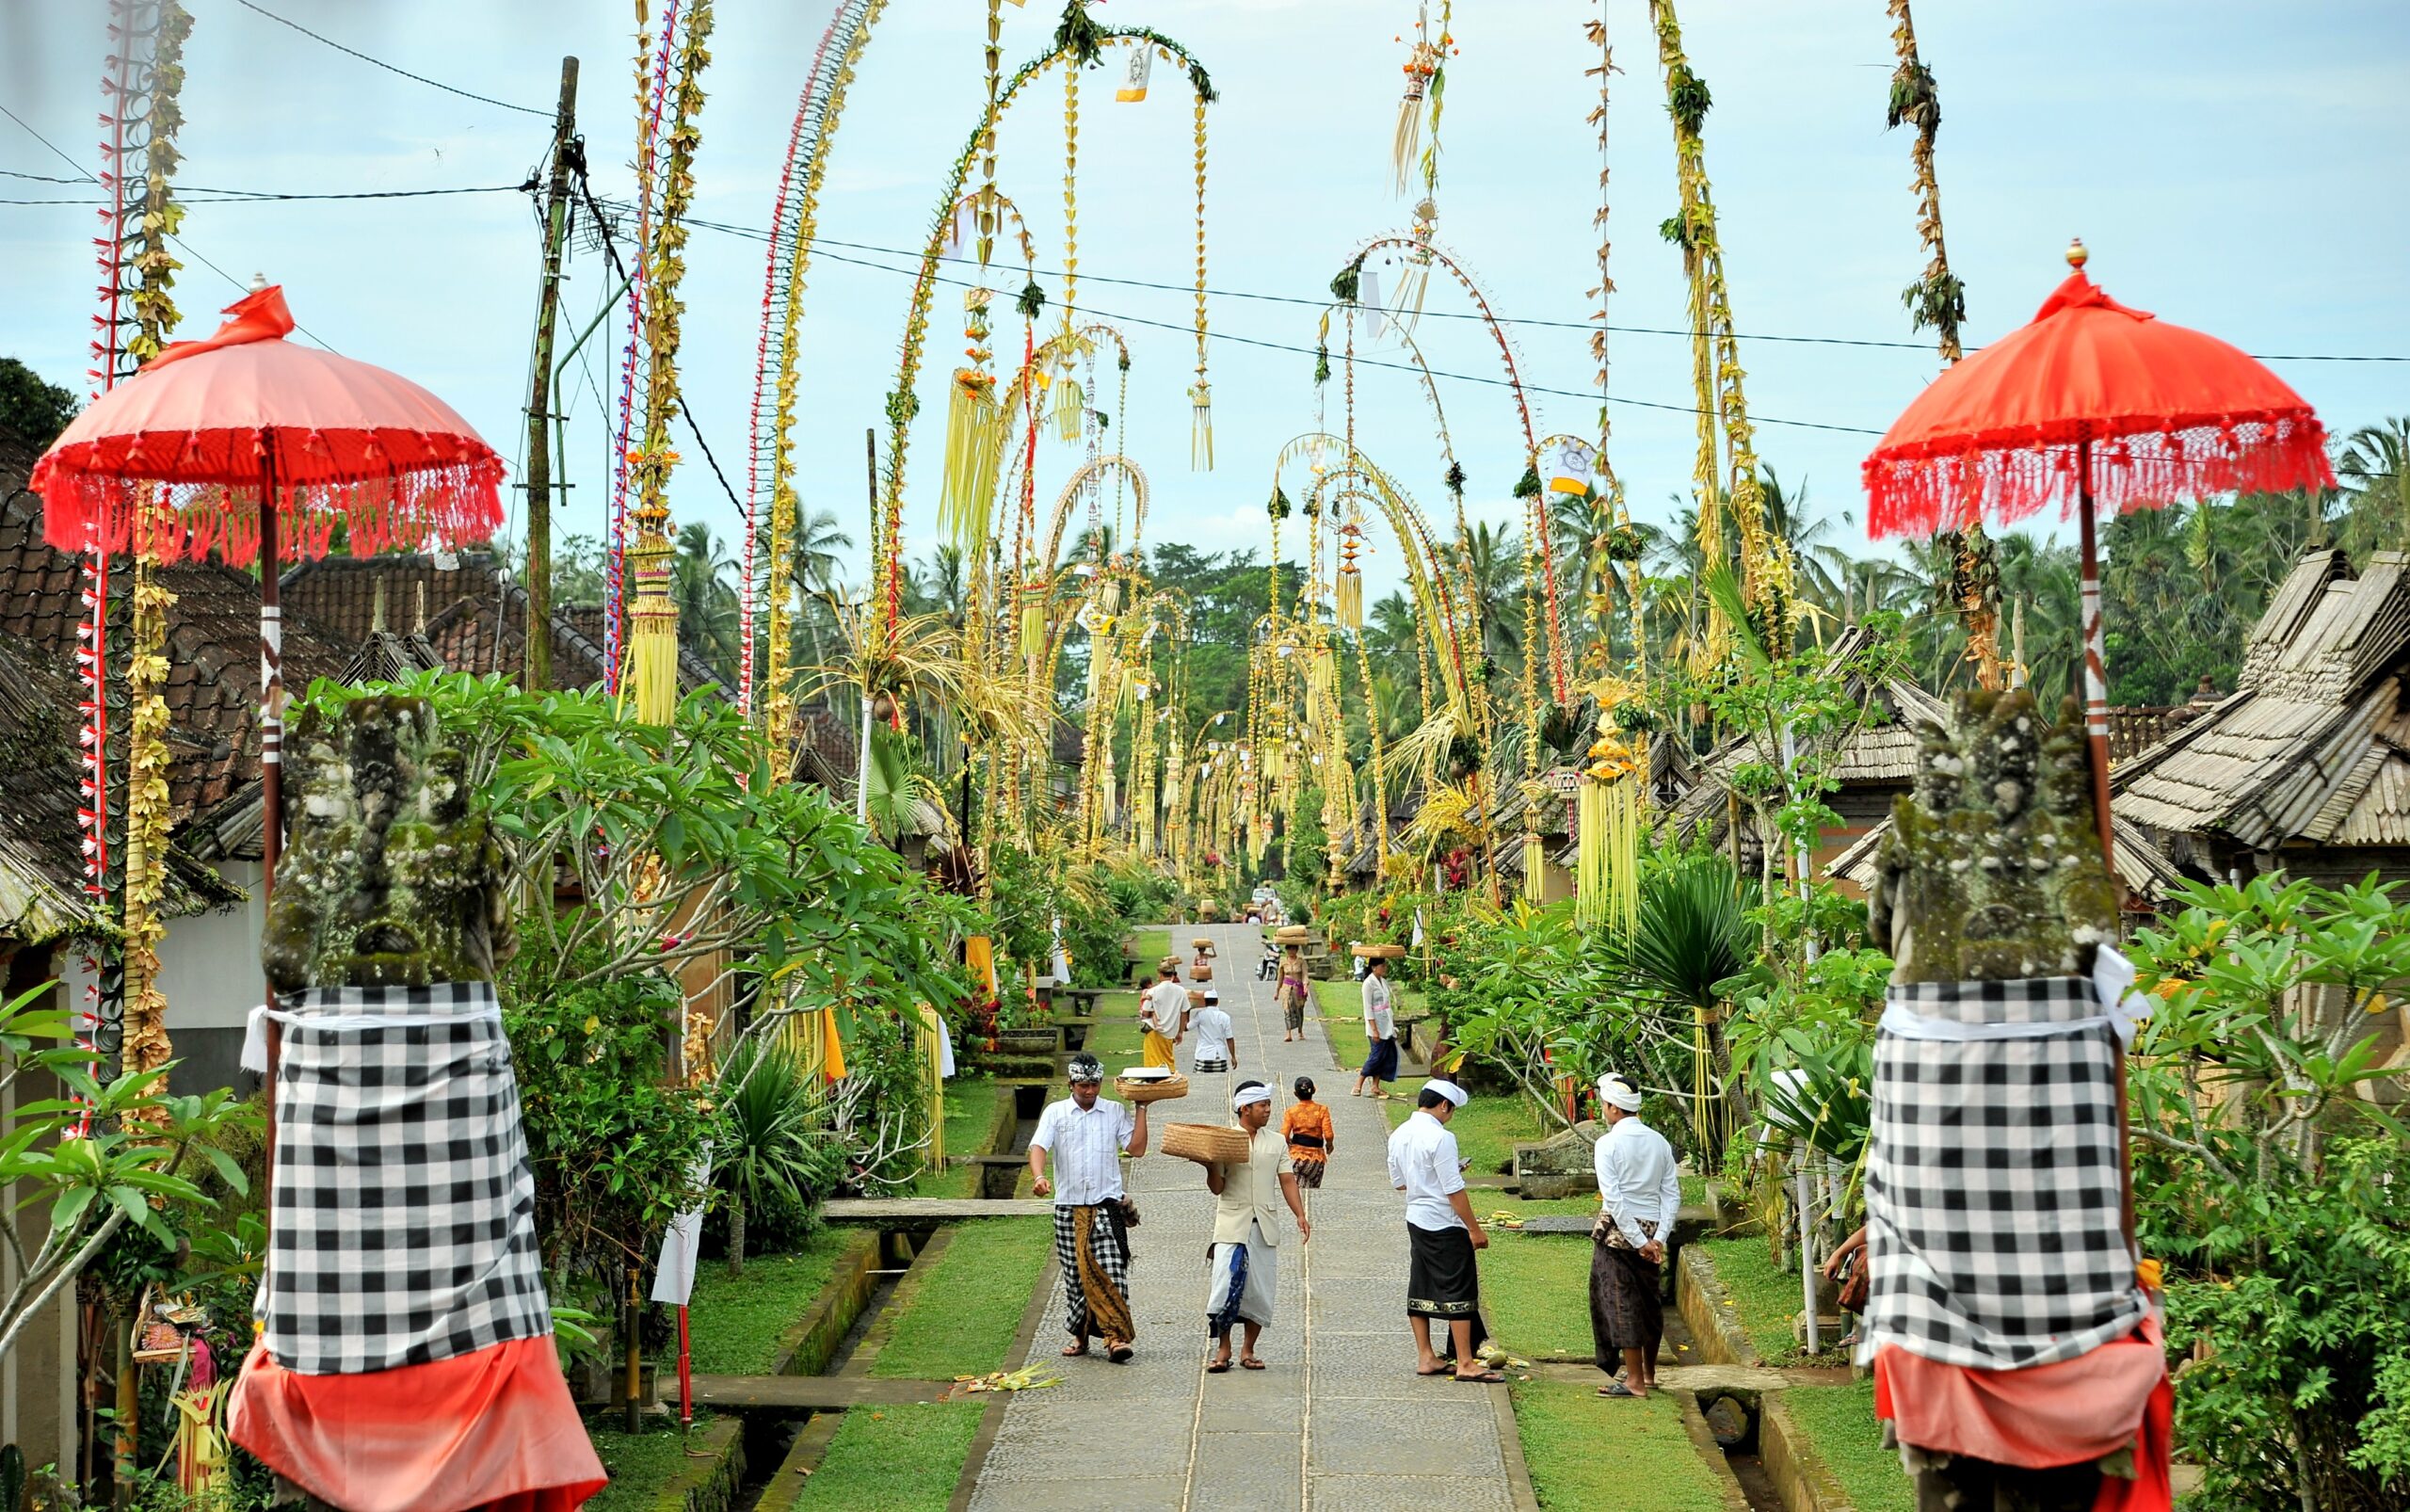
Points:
(673, 1280)
(1418, 928)
(1368, 294)
(1571, 466)
(1134, 79)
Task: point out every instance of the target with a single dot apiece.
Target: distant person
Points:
(1443, 1280)
(1163, 1015)
(1380, 1032)
(1087, 1137)
(1639, 1196)
(1216, 1040)
(1244, 1257)
(1313, 1141)
(1292, 993)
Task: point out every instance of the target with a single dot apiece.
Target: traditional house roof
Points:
(472, 614)
(2146, 871)
(1881, 754)
(2313, 749)
(827, 751)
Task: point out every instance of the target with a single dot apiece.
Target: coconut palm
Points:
(709, 616)
(2374, 467)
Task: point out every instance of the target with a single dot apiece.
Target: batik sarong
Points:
(1626, 1295)
(1246, 1278)
(1092, 1246)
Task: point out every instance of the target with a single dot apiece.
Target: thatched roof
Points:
(2145, 870)
(2314, 746)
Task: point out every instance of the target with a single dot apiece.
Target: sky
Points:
(2235, 167)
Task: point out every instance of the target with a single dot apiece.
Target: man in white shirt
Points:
(1443, 1281)
(1639, 1194)
(1163, 1015)
(1087, 1137)
(1216, 1040)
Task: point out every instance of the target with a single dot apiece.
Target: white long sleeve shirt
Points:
(1637, 1180)
(1423, 1164)
(1380, 1023)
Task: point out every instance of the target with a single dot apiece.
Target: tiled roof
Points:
(2314, 746)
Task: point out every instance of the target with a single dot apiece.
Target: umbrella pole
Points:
(271, 765)
(2095, 730)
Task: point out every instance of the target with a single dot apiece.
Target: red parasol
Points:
(183, 458)
(2099, 407)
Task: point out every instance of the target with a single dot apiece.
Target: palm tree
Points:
(708, 609)
(2375, 466)
(1493, 560)
(813, 567)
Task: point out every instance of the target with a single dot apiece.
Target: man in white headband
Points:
(1244, 1262)
(1639, 1194)
(1443, 1281)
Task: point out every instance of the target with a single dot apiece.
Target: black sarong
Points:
(1442, 1282)
(1627, 1300)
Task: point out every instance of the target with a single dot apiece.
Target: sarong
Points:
(1380, 1064)
(1443, 1282)
(1626, 1302)
(1309, 1172)
(1246, 1278)
(1092, 1246)
(1158, 1051)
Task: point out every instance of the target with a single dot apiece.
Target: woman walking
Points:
(1380, 1030)
(1311, 1139)
(1292, 993)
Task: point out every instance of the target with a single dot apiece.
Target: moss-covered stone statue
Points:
(1992, 870)
(388, 878)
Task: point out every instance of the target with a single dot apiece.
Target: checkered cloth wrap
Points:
(1992, 1179)
(405, 1215)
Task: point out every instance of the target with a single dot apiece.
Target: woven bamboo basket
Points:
(1380, 951)
(1201, 973)
(1151, 1089)
(1293, 934)
(1196, 998)
(1204, 945)
(1207, 1144)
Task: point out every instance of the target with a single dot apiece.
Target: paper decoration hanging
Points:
(1133, 78)
(1572, 465)
(1368, 295)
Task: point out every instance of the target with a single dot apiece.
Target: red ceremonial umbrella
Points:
(2098, 407)
(253, 448)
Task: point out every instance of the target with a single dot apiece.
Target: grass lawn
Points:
(970, 1113)
(1839, 1420)
(892, 1459)
(1115, 1040)
(962, 1317)
(641, 1464)
(735, 1324)
(1147, 947)
(1765, 1298)
(1537, 1288)
(1586, 1452)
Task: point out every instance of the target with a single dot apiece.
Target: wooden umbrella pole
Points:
(271, 772)
(2095, 730)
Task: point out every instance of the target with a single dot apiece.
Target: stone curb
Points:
(1799, 1475)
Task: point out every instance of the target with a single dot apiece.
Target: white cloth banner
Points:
(673, 1280)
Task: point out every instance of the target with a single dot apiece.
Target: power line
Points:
(378, 62)
(198, 195)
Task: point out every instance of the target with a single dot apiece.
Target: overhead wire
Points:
(378, 62)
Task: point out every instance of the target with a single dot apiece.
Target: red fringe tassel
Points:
(1999, 480)
(459, 503)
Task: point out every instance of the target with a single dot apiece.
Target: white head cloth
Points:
(1448, 1090)
(1247, 1095)
(1614, 1090)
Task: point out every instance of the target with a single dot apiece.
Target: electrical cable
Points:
(378, 62)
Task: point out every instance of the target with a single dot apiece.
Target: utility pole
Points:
(538, 570)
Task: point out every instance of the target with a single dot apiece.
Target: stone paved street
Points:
(1339, 1419)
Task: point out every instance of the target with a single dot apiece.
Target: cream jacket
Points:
(1251, 1193)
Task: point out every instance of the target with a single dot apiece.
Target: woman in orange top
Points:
(1306, 1127)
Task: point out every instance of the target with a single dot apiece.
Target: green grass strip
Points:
(641, 1465)
(1586, 1452)
(735, 1324)
(1839, 1420)
(1764, 1299)
(894, 1459)
(1537, 1289)
(963, 1314)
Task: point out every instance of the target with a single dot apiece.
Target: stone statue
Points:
(1992, 870)
(388, 880)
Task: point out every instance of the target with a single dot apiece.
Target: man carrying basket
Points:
(1087, 1137)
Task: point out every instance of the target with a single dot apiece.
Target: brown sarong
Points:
(1092, 1246)
(1626, 1307)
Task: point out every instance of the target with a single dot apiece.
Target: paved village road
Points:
(1339, 1418)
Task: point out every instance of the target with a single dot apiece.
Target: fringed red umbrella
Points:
(252, 447)
(2098, 407)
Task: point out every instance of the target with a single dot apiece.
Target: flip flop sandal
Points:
(1074, 1351)
(1487, 1378)
(1217, 1367)
(1617, 1389)
(1119, 1354)
(1250, 1364)
(1428, 1374)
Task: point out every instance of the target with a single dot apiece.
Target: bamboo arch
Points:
(902, 400)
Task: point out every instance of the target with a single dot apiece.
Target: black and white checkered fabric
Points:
(404, 1226)
(1992, 1178)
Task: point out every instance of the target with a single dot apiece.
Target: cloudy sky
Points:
(2233, 165)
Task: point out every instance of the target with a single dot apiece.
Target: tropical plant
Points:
(94, 1159)
(709, 617)
(772, 1151)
